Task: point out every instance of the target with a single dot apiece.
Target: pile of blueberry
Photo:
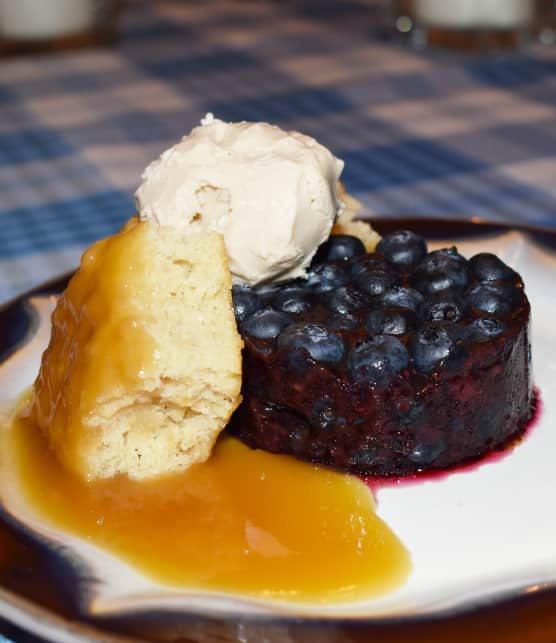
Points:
(385, 363)
(372, 316)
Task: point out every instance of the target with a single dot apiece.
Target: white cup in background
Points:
(43, 19)
(474, 14)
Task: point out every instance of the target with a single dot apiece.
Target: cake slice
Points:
(143, 369)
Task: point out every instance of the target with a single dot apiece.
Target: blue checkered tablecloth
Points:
(426, 133)
(421, 133)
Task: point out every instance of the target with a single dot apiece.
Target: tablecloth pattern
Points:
(421, 133)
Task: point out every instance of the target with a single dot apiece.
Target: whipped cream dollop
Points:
(270, 193)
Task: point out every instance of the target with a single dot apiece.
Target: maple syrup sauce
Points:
(245, 521)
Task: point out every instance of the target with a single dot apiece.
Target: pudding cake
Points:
(386, 363)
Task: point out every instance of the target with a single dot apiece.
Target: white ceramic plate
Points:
(475, 536)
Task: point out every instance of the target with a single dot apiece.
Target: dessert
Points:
(143, 369)
(271, 193)
(376, 359)
(386, 363)
(380, 362)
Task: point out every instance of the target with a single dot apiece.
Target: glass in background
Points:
(29, 26)
(475, 24)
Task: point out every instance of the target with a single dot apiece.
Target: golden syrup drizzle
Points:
(246, 521)
(100, 336)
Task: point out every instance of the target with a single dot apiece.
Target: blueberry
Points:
(265, 324)
(410, 412)
(346, 299)
(368, 263)
(493, 298)
(485, 328)
(444, 310)
(343, 321)
(431, 346)
(246, 302)
(488, 267)
(377, 360)
(267, 289)
(338, 248)
(326, 276)
(321, 344)
(299, 363)
(270, 288)
(403, 248)
(297, 439)
(292, 300)
(403, 298)
(426, 453)
(324, 415)
(374, 281)
(458, 332)
(451, 252)
(440, 271)
(391, 321)
(366, 458)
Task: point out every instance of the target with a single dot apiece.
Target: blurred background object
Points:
(423, 132)
(28, 26)
(546, 22)
(475, 24)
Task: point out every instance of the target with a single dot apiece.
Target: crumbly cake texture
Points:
(143, 369)
(346, 223)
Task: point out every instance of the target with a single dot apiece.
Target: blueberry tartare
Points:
(386, 363)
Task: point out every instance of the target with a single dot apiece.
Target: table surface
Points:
(420, 132)
(423, 133)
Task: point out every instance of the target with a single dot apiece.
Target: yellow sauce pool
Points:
(246, 521)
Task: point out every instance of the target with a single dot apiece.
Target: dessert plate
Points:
(478, 536)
